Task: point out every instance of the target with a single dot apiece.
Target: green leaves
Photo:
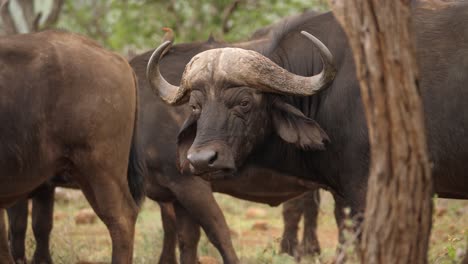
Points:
(124, 25)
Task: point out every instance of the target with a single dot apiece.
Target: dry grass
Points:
(76, 243)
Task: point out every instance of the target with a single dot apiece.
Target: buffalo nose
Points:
(203, 158)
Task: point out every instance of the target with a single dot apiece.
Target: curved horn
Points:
(281, 81)
(328, 72)
(169, 93)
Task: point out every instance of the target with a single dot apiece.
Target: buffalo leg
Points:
(195, 195)
(340, 217)
(310, 244)
(106, 189)
(42, 221)
(292, 212)
(168, 254)
(18, 220)
(5, 255)
(188, 235)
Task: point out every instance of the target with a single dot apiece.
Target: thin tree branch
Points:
(178, 21)
(36, 22)
(27, 7)
(227, 13)
(54, 14)
(8, 23)
(99, 11)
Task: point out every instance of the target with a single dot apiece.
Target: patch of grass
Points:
(71, 243)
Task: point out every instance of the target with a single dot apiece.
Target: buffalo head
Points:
(233, 94)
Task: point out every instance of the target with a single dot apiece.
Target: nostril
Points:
(202, 159)
(213, 159)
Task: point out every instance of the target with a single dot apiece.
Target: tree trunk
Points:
(397, 220)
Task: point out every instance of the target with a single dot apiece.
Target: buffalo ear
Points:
(295, 128)
(185, 139)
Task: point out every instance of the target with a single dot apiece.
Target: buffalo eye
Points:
(244, 103)
(242, 108)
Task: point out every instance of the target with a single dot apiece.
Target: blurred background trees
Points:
(135, 25)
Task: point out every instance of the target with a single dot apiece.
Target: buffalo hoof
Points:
(309, 248)
(289, 246)
(20, 261)
(41, 260)
(167, 260)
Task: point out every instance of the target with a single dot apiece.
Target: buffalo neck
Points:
(276, 155)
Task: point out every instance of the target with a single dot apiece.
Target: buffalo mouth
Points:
(211, 161)
(216, 175)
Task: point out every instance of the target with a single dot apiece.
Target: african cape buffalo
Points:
(69, 107)
(192, 197)
(270, 108)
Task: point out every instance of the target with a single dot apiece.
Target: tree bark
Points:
(397, 220)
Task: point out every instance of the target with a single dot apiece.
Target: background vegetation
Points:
(135, 25)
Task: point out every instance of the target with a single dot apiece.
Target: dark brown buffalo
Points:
(69, 107)
(297, 110)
